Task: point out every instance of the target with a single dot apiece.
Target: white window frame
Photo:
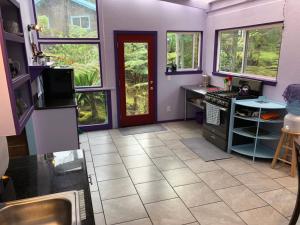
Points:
(245, 34)
(80, 18)
(177, 33)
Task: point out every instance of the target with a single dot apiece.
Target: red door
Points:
(136, 60)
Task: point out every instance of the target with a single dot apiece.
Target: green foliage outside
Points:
(186, 49)
(84, 58)
(92, 108)
(261, 54)
(136, 77)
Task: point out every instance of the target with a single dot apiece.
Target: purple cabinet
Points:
(16, 103)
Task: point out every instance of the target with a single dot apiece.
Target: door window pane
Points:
(231, 51)
(183, 50)
(58, 14)
(84, 58)
(136, 78)
(92, 108)
(263, 50)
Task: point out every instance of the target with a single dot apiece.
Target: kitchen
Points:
(162, 111)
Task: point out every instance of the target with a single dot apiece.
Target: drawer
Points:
(218, 141)
(217, 130)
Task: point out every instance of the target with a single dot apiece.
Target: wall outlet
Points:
(169, 109)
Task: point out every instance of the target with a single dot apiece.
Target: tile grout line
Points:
(137, 193)
(99, 188)
(174, 189)
(257, 171)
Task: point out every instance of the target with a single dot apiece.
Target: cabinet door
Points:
(23, 104)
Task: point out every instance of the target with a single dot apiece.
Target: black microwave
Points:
(58, 83)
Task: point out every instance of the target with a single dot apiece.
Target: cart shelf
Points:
(256, 149)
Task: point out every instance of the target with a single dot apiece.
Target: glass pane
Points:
(23, 99)
(59, 15)
(92, 108)
(172, 55)
(231, 51)
(196, 50)
(263, 49)
(136, 78)
(84, 58)
(183, 50)
(85, 22)
(76, 21)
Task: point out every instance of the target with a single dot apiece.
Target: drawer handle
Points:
(90, 180)
(213, 137)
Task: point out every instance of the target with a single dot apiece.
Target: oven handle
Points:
(221, 108)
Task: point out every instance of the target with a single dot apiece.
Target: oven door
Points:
(222, 129)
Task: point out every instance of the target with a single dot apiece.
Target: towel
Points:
(212, 114)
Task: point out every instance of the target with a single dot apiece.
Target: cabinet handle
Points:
(90, 179)
(213, 137)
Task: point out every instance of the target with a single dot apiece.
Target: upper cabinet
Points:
(16, 104)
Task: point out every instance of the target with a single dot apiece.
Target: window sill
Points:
(265, 82)
(184, 72)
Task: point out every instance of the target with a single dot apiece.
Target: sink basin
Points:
(56, 209)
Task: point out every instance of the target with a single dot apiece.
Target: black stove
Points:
(241, 89)
(223, 98)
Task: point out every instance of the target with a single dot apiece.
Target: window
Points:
(183, 50)
(251, 52)
(84, 58)
(63, 24)
(81, 21)
(92, 107)
(81, 52)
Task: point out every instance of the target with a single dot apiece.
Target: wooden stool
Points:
(287, 141)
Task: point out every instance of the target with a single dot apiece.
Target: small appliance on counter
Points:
(220, 104)
(292, 119)
(205, 82)
(58, 83)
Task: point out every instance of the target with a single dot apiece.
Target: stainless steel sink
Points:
(56, 209)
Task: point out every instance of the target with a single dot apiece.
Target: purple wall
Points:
(160, 16)
(150, 15)
(264, 11)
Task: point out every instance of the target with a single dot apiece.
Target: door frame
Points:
(154, 34)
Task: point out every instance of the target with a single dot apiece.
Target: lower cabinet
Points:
(53, 130)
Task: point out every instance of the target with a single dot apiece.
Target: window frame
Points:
(66, 39)
(84, 89)
(80, 17)
(103, 126)
(200, 54)
(79, 43)
(216, 72)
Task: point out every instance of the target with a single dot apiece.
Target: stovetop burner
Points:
(223, 98)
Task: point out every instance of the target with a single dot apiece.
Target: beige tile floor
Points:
(153, 178)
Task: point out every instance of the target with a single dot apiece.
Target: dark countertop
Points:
(34, 176)
(42, 104)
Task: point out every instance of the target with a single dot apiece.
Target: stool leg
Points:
(288, 143)
(278, 150)
(294, 160)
